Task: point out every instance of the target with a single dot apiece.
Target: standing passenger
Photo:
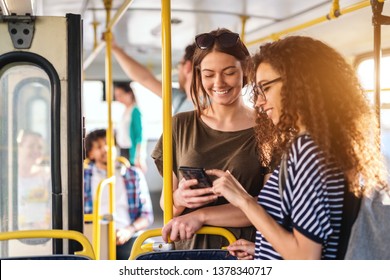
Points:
(219, 133)
(129, 132)
(181, 98)
(310, 103)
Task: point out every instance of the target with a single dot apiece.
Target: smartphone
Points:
(198, 173)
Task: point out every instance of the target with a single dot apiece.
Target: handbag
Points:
(370, 235)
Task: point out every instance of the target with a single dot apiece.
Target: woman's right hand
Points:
(185, 196)
(242, 249)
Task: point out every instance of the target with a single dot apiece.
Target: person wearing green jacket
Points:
(129, 132)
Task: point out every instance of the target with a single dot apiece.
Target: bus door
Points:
(41, 130)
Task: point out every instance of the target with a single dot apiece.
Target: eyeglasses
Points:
(259, 90)
(206, 40)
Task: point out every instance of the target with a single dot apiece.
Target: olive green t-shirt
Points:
(197, 145)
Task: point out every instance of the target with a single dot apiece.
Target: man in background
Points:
(133, 206)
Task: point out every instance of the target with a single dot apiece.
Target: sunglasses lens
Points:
(204, 41)
(228, 40)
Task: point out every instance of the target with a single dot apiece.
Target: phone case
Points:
(198, 173)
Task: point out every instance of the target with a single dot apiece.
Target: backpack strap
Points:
(351, 208)
(283, 174)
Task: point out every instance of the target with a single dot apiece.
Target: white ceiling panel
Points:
(139, 30)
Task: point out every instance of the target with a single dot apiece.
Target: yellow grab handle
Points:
(138, 248)
(54, 233)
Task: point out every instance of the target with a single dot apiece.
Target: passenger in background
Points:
(219, 134)
(133, 206)
(311, 107)
(34, 194)
(129, 132)
(181, 97)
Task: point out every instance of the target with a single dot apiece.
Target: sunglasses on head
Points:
(206, 40)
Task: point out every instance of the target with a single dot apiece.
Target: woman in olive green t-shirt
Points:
(218, 134)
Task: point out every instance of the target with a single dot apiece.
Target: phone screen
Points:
(198, 173)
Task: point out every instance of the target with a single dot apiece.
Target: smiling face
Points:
(222, 78)
(272, 106)
(98, 152)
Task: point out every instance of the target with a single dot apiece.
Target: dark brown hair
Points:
(94, 136)
(125, 86)
(189, 52)
(239, 51)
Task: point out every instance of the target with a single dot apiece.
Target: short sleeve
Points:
(306, 193)
(157, 153)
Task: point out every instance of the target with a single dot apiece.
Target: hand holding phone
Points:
(198, 173)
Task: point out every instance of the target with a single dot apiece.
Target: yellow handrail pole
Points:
(277, 35)
(53, 233)
(109, 134)
(112, 22)
(124, 161)
(334, 10)
(96, 214)
(372, 90)
(88, 217)
(95, 24)
(243, 25)
(167, 109)
(138, 248)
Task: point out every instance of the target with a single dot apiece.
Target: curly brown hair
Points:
(322, 90)
(239, 51)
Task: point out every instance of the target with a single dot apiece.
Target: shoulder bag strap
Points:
(283, 174)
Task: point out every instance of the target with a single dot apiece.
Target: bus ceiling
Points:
(139, 27)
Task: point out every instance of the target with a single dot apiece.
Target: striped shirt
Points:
(312, 200)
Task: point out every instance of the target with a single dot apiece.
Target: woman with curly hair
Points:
(311, 107)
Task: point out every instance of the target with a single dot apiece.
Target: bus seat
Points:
(49, 257)
(141, 251)
(202, 254)
(86, 253)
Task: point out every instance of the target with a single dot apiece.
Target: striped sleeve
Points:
(311, 202)
(306, 192)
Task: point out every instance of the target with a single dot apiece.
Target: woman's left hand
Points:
(228, 186)
(182, 227)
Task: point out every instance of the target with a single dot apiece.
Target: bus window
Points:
(25, 146)
(95, 107)
(365, 71)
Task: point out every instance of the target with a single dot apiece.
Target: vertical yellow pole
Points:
(334, 10)
(109, 135)
(95, 24)
(243, 25)
(167, 109)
